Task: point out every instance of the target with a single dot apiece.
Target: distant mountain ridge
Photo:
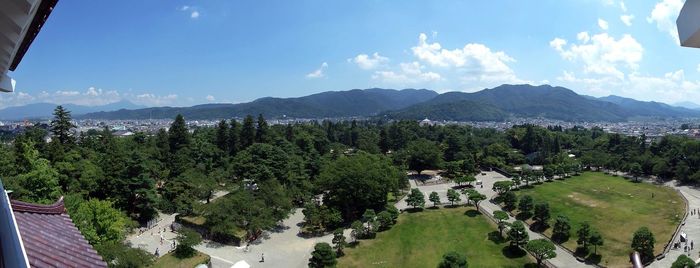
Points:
(349, 103)
(494, 104)
(45, 110)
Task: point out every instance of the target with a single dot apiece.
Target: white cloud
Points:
(603, 24)
(191, 10)
(210, 98)
(623, 6)
(92, 96)
(367, 62)
(698, 69)
(318, 73)
(477, 61)
(602, 54)
(664, 15)
(410, 73)
(184, 8)
(194, 14)
(627, 19)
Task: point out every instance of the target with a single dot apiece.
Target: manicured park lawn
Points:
(420, 239)
(614, 206)
(170, 261)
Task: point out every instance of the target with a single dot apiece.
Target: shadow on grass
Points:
(451, 206)
(413, 210)
(539, 227)
(559, 239)
(472, 213)
(593, 259)
(581, 252)
(433, 208)
(353, 244)
(522, 216)
(530, 265)
(513, 252)
(496, 238)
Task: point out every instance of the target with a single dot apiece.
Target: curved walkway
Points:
(691, 226)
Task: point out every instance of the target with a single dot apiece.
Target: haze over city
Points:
(181, 53)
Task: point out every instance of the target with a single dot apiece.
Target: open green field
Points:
(615, 207)
(420, 239)
(170, 261)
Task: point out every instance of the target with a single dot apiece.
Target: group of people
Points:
(173, 243)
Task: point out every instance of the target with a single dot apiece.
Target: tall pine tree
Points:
(234, 138)
(61, 126)
(177, 134)
(222, 136)
(261, 134)
(247, 132)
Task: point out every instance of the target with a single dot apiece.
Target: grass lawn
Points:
(170, 261)
(420, 239)
(615, 207)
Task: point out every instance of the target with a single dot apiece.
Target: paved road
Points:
(691, 227)
(563, 259)
(150, 240)
(282, 248)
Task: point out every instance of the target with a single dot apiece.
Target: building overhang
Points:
(20, 23)
(688, 24)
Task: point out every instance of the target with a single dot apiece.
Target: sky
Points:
(181, 53)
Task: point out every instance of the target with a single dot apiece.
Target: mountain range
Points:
(45, 110)
(494, 104)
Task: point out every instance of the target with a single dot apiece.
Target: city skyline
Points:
(184, 53)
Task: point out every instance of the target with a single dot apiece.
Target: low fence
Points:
(676, 233)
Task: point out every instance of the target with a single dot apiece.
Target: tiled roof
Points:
(50, 238)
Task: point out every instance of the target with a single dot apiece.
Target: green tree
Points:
(453, 196)
(322, 256)
(99, 221)
(385, 221)
(635, 170)
(501, 216)
(596, 240)
(247, 136)
(435, 198)
(61, 126)
(117, 254)
(542, 249)
(339, 241)
(415, 199)
(502, 187)
(358, 182)
(476, 197)
(368, 218)
(453, 259)
(526, 205)
(584, 235)
(517, 234)
(683, 261)
(186, 240)
(358, 230)
(234, 138)
(40, 184)
(222, 136)
(510, 200)
(643, 242)
(561, 230)
(261, 132)
(178, 136)
(541, 215)
(423, 154)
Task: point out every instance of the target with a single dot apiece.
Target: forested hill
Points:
(536, 101)
(349, 103)
(494, 104)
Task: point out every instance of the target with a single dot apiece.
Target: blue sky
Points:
(189, 52)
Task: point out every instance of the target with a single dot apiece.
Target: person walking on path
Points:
(262, 257)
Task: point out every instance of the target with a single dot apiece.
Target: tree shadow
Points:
(433, 208)
(496, 238)
(530, 265)
(581, 251)
(353, 244)
(523, 216)
(539, 227)
(560, 239)
(452, 206)
(413, 210)
(513, 252)
(472, 213)
(594, 258)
